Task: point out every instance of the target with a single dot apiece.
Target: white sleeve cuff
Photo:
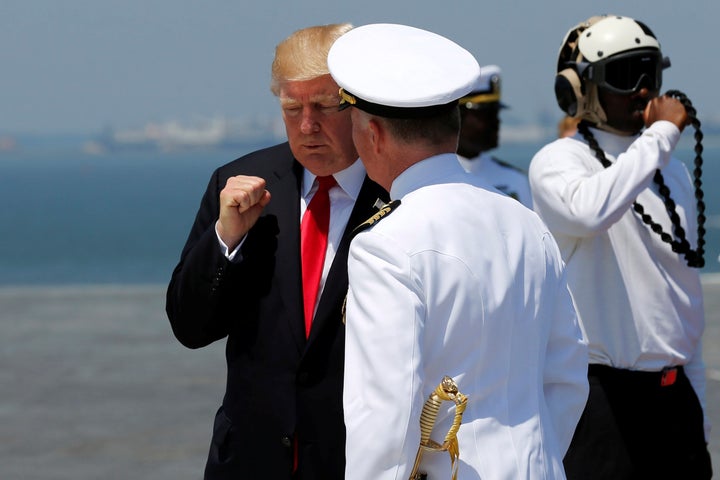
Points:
(234, 256)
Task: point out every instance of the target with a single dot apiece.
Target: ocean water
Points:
(68, 217)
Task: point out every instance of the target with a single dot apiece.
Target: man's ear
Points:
(378, 135)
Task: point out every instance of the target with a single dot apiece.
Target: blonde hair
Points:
(303, 55)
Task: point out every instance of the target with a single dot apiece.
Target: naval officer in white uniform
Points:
(480, 133)
(454, 280)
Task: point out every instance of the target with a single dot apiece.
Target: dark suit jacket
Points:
(279, 385)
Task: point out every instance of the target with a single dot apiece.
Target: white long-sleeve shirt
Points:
(464, 282)
(640, 305)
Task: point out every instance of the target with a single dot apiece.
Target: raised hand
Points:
(666, 108)
(241, 203)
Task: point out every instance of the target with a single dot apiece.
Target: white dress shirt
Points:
(342, 201)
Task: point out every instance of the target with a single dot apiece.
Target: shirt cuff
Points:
(667, 129)
(235, 256)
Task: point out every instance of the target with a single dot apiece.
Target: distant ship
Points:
(213, 133)
(250, 133)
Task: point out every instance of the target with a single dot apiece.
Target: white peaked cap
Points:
(486, 88)
(400, 71)
(488, 80)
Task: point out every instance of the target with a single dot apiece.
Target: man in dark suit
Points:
(240, 276)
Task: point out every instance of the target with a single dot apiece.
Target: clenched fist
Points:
(241, 203)
(666, 108)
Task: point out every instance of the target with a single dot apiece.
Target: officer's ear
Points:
(377, 134)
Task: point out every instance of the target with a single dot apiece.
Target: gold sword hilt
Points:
(447, 390)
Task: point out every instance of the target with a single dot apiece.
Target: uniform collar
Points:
(612, 143)
(432, 170)
(475, 163)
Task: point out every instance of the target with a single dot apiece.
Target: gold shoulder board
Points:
(380, 214)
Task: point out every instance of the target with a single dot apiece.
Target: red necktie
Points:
(313, 243)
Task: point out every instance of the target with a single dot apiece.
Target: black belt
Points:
(664, 378)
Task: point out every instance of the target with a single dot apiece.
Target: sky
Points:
(74, 66)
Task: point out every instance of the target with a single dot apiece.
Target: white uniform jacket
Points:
(639, 304)
(506, 178)
(465, 282)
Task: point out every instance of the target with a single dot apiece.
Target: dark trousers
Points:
(639, 425)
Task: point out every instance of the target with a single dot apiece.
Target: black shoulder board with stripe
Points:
(383, 212)
(509, 165)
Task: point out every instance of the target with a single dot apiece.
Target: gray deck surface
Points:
(94, 385)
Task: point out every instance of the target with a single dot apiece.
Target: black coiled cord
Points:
(694, 258)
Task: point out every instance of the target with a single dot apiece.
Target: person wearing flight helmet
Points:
(623, 212)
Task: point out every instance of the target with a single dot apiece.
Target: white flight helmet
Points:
(612, 52)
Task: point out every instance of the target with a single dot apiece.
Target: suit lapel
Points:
(285, 202)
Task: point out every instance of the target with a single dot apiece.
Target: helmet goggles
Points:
(626, 73)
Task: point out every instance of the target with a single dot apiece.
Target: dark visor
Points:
(628, 72)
